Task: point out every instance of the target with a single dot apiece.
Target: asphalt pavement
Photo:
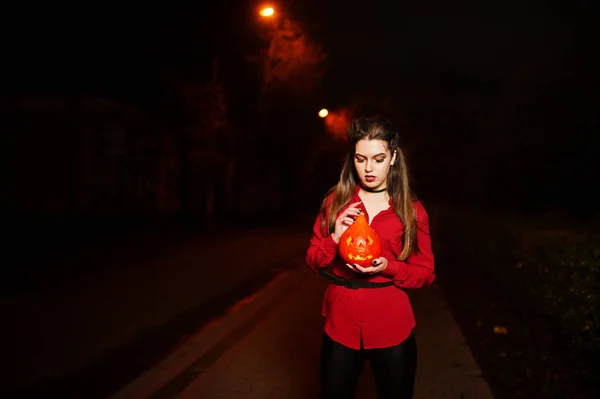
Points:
(224, 316)
(268, 347)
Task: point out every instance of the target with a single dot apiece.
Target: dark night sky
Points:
(405, 46)
(535, 62)
(375, 45)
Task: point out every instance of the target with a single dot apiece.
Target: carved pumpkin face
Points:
(360, 244)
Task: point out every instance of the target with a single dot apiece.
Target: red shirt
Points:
(383, 317)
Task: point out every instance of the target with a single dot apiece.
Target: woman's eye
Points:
(358, 160)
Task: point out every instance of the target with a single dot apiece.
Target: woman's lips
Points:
(370, 178)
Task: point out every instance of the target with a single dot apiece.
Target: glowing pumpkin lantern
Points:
(360, 244)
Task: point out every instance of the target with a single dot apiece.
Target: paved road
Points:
(268, 347)
(122, 320)
(97, 330)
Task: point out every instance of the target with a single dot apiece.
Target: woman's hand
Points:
(345, 219)
(379, 265)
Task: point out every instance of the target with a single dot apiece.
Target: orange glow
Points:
(323, 113)
(267, 12)
(337, 122)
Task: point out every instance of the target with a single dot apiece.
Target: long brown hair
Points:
(376, 128)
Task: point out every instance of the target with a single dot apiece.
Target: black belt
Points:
(352, 284)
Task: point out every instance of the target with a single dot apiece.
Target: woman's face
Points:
(372, 162)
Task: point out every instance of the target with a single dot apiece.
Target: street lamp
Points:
(267, 12)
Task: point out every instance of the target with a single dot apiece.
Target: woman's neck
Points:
(374, 195)
(374, 202)
(371, 190)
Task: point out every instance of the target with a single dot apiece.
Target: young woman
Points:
(368, 315)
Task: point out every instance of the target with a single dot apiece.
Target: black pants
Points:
(394, 369)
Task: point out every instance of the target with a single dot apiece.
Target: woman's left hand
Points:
(379, 265)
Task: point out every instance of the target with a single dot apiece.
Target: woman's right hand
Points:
(344, 220)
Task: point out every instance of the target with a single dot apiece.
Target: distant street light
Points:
(323, 113)
(267, 12)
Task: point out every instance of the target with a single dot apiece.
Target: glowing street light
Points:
(323, 113)
(267, 12)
